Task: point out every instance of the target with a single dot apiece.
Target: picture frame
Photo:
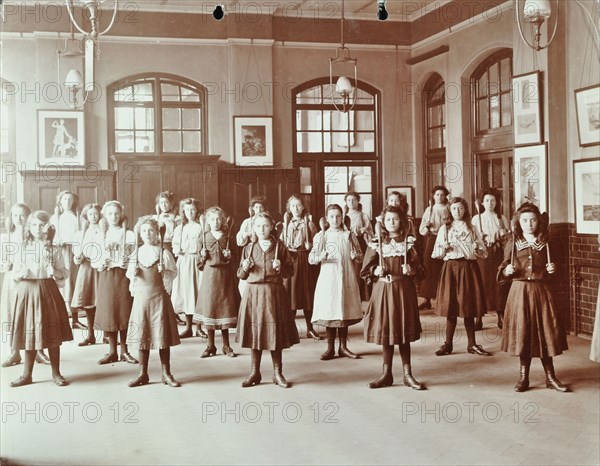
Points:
(587, 107)
(408, 192)
(531, 175)
(586, 183)
(61, 137)
(253, 140)
(527, 109)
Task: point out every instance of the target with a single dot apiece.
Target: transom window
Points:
(159, 114)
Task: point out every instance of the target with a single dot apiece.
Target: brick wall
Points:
(584, 266)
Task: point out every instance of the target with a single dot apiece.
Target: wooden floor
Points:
(469, 414)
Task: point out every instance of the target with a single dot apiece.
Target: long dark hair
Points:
(542, 231)
(439, 188)
(492, 192)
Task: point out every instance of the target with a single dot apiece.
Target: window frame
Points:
(156, 79)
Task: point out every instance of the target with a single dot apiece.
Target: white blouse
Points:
(187, 238)
(113, 253)
(463, 243)
(490, 226)
(36, 261)
(67, 227)
(435, 216)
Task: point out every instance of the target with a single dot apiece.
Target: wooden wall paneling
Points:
(42, 186)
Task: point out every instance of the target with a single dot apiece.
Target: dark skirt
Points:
(84, 294)
(218, 299)
(392, 316)
(495, 294)
(113, 301)
(532, 324)
(363, 286)
(460, 291)
(38, 317)
(301, 285)
(433, 267)
(265, 321)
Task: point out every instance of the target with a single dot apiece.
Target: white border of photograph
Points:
(239, 122)
(527, 108)
(531, 176)
(65, 144)
(587, 194)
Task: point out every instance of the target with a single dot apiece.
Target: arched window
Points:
(336, 152)
(491, 121)
(157, 114)
(434, 110)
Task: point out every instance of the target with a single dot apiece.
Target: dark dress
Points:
(301, 285)
(265, 321)
(152, 324)
(218, 299)
(392, 316)
(532, 323)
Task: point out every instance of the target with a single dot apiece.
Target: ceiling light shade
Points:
(343, 86)
(74, 80)
(536, 10)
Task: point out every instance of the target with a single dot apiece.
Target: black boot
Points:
(343, 349)
(386, 378)
(409, 380)
(551, 380)
(142, 378)
(330, 352)
(165, 361)
(523, 383)
(500, 319)
(254, 378)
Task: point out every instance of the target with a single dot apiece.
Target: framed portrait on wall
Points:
(527, 109)
(587, 104)
(409, 194)
(253, 140)
(586, 175)
(531, 179)
(61, 137)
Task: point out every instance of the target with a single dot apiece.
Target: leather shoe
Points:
(21, 381)
(328, 355)
(78, 326)
(279, 379)
(60, 381)
(343, 351)
(87, 342)
(108, 359)
(314, 335)
(228, 351)
(179, 320)
(500, 320)
(477, 349)
(186, 334)
(140, 380)
(126, 357)
(168, 379)
(424, 305)
(12, 360)
(201, 333)
(253, 379)
(385, 380)
(209, 351)
(41, 358)
(444, 350)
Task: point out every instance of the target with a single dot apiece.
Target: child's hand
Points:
(227, 254)
(9, 266)
(137, 271)
(307, 245)
(406, 269)
(322, 256)
(204, 253)
(353, 254)
(509, 270)
(448, 247)
(276, 265)
(160, 268)
(21, 275)
(551, 268)
(247, 264)
(378, 272)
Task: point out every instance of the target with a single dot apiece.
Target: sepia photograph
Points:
(290, 232)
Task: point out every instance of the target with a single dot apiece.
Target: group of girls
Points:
(132, 284)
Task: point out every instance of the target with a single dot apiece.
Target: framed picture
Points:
(408, 192)
(531, 176)
(587, 104)
(253, 140)
(586, 173)
(527, 109)
(61, 137)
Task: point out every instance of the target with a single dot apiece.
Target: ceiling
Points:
(399, 10)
